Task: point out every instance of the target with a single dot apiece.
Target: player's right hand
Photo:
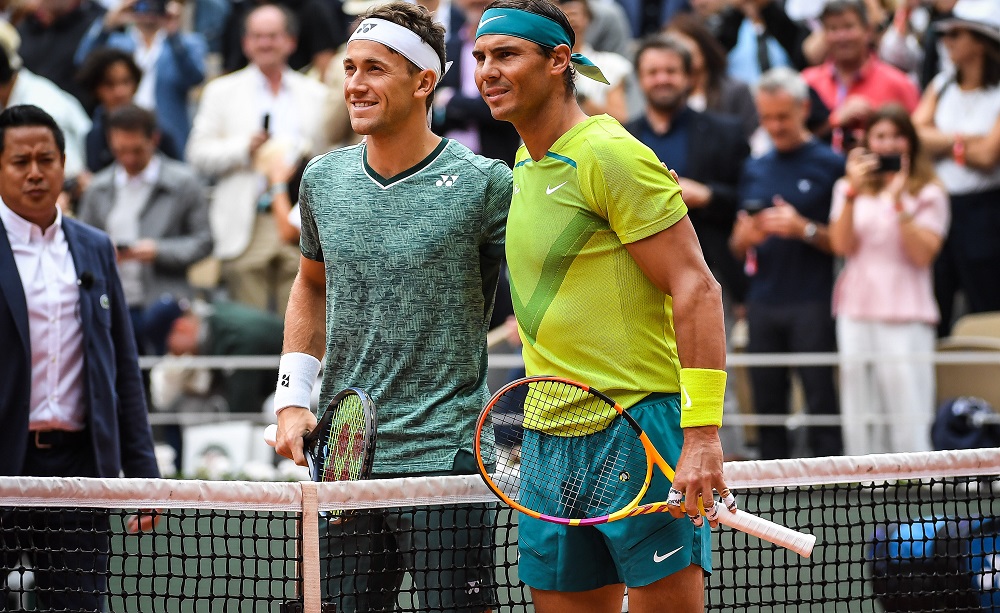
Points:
(293, 424)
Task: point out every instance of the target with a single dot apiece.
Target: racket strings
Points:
(344, 447)
(563, 451)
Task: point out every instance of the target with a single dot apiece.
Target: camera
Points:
(890, 163)
(150, 7)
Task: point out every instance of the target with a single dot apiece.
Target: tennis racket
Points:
(342, 445)
(601, 479)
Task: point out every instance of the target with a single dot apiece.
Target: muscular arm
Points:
(305, 332)
(673, 261)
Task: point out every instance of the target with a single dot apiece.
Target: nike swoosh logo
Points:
(486, 21)
(550, 190)
(687, 398)
(517, 190)
(659, 558)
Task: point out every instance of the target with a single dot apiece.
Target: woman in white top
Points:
(888, 221)
(959, 124)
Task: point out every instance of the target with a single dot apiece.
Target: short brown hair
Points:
(132, 118)
(416, 19)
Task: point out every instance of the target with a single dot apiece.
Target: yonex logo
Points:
(446, 180)
(286, 381)
(473, 587)
(366, 27)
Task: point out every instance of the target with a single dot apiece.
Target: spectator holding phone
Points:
(888, 220)
(786, 247)
(172, 62)
(155, 211)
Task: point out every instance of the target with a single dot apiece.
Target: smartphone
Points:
(150, 7)
(890, 163)
(266, 124)
(755, 205)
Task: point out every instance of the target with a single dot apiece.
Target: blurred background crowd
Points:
(840, 158)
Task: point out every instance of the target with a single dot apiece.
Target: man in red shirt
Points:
(853, 82)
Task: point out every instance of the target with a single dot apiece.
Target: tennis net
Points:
(899, 532)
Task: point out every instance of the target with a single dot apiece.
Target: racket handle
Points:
(271, 435)
(799, 542)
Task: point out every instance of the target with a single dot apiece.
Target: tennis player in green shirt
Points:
(610, 288)
(402, 241)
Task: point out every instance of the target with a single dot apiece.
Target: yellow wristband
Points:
(703, 391)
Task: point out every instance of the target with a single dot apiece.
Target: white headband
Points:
(403, 41)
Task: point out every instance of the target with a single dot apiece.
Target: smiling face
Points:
(380, 88)
(663, 80)
(847, 38)
(31, 173)
(266, 41)
(514, 76)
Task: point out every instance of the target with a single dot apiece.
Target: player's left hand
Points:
(699, 471)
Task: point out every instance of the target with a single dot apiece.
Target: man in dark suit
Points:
(706, 150)
(71, 396)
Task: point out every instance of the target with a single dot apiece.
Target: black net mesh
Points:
(916, 546)
(67, 559)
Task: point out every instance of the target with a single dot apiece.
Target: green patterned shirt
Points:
(412, 264)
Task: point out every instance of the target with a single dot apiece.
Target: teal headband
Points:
(538, 29)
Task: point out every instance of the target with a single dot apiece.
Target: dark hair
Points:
(991, 60)
(292, 27)
(6, 70)
(711, 50)
(839, 7)
(96, 65)
(132, 118)
(553, 12)
(29, 116)
(418, 20)
(664, 42)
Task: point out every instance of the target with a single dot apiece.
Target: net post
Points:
(309, 571)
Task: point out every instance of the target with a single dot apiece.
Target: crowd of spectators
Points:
(812, 139)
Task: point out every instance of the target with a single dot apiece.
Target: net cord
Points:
(127, 493)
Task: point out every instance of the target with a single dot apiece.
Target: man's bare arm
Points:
(673, 261)
(305, 332)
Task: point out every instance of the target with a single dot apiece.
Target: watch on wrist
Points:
(809, 232)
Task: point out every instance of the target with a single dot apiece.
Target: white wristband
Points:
(297, 373)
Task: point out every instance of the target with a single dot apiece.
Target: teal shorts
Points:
(636, 551)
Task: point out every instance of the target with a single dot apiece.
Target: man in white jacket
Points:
(246, 120)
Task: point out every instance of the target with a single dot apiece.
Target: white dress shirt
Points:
(131, 196)
(51, 291)
(146, 58)
(284, 123)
